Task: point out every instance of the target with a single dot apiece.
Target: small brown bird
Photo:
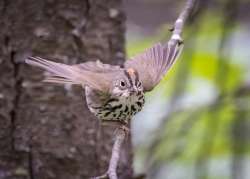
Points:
(114, 93)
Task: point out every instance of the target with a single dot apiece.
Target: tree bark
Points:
(46, 131)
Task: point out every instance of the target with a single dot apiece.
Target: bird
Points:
(114, 93)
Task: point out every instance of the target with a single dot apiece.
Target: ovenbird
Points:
(114, 93)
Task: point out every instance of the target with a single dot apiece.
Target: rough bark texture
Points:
(46, 131)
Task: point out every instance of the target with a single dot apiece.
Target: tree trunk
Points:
(46, 131)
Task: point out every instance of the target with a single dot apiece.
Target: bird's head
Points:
(127, 84)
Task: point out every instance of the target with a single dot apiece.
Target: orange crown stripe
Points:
(131, 71)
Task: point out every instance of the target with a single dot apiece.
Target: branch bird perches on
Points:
(120, 135)
(121, 132)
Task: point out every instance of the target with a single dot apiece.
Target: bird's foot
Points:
(104, 176)
(107, 175)
(125, 129)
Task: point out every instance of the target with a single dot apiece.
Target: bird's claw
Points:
(125, 129)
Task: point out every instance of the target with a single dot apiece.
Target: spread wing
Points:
(97, 75)
(153, 64)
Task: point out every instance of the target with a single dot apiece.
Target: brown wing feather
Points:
(98, 67)
(153, 64)
(94, 74)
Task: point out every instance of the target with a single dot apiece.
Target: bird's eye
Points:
(122, 84)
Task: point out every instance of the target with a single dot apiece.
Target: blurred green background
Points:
(196, 123)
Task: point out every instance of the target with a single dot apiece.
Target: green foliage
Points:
(201, 132)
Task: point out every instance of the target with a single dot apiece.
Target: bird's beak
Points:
(132, 91)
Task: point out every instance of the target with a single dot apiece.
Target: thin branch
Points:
(181, 20)
(120, 135)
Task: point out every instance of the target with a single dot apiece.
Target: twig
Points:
(120, 135)
(179, 23)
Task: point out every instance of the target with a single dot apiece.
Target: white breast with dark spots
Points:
(121, 109)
